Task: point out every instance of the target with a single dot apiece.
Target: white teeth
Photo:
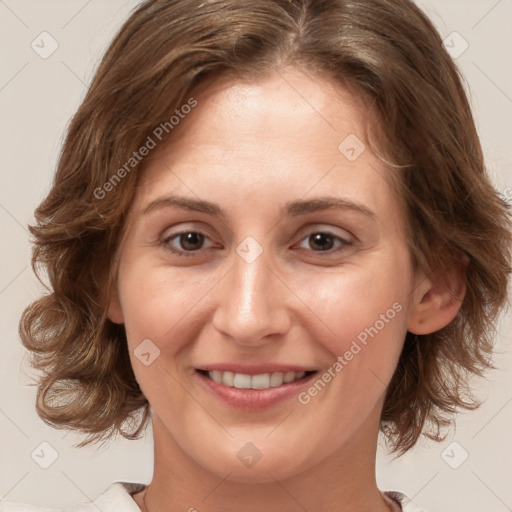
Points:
(289, 377)
(276, 379)
(242, 381)
(228, 378)
(262, 381)
(216, 376)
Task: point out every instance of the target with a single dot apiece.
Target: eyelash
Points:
(344, 244)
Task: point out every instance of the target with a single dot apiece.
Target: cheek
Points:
(158, 302)
(360, 304)
(365, 310)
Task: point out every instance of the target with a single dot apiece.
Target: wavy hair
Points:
(387, 52)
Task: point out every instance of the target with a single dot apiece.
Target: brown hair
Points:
(385, 50)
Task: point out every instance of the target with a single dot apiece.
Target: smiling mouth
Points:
(261, 381)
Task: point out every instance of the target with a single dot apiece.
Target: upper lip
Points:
(255, 369)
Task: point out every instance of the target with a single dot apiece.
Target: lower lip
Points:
(254, 399)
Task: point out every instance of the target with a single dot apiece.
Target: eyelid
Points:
(320, 227)
(344, 242)
(333, 230)
(165, 242)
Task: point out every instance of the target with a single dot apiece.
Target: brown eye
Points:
(191, 241)
(185, 242)
(323, 241)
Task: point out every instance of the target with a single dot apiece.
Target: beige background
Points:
(37, 98)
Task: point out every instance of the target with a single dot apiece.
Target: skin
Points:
(250, 147)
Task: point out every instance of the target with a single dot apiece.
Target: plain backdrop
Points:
(469, 471)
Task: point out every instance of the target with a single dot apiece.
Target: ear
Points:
(115, 312)
(438, 299)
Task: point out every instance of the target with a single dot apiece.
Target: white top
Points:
(117, 498)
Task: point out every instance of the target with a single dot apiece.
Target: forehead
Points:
(283, 110)
(276, 139)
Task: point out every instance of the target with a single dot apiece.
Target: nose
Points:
(252, 302)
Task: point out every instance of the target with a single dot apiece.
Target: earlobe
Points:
(439, 300)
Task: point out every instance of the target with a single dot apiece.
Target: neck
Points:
(345, 481)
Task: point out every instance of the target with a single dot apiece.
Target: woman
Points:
(271, 232)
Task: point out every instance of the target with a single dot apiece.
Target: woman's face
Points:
(234, 264)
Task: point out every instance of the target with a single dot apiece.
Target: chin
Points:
(261, 473)
(246, 463)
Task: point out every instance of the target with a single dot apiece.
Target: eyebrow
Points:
(292, 208)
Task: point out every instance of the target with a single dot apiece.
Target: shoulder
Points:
(406, 503)
(117, 498)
